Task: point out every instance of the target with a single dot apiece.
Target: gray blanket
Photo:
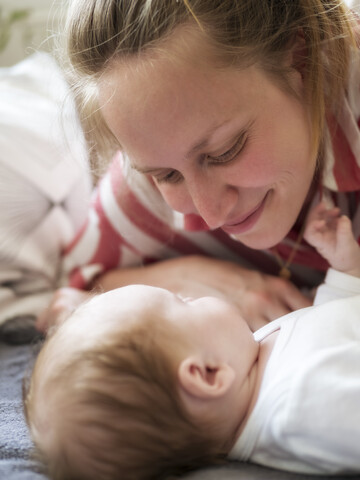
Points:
(16, 447)
(15, 444)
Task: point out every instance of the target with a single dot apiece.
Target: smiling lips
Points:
(247, 221)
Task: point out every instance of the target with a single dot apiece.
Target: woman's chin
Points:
(261, 241)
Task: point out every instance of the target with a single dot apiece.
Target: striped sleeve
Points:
(121, 230)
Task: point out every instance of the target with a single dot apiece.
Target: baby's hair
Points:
(243, 32)
(113, 410)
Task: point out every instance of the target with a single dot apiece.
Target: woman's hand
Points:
(62, 305)
(259, 297)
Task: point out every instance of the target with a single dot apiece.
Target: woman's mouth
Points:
(246, 221)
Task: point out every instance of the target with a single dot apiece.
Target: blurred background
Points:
(30, 25)
(27, 26)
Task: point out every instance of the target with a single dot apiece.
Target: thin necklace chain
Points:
(285, 271)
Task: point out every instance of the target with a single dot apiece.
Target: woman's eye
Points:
(171, 177)
(231, 153)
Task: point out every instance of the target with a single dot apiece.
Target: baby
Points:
(139, 383)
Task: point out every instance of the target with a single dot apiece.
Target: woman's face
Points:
(229, 144)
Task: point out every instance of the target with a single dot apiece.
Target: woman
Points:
(233, 119)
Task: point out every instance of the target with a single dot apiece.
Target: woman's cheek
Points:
(177, 197)
(255, 169)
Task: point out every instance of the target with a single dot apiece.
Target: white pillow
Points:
(45, 184)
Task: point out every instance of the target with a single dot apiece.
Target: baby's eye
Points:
(173, 176)
(230, 154)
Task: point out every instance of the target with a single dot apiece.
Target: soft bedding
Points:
(44, 182)
(44, 191)
(15, 445)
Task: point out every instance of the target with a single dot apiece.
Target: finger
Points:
(315, 227)
(55, 314)
(334, 212)
(41, 321)
(345, 239)
(317, 212)
(344, 227)
(314, 230)
(318, 225)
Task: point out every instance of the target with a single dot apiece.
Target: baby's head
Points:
(137, 384)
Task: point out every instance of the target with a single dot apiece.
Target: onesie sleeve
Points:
(337, 285)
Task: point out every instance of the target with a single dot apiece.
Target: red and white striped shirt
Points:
(129, 224)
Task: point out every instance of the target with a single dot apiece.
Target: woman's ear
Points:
(298, 54)
(203, 380)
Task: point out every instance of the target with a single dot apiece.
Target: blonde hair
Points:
(243, 31)
(113, 410)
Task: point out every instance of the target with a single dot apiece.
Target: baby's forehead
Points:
(136, 291)
(137, 297)
(105, 316)
(109, 320)
(125, 305)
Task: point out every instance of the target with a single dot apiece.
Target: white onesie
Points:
(307, 416)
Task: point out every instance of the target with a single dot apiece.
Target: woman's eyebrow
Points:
(206, 139)
(195, 148)
(198, 146)
(145, 170)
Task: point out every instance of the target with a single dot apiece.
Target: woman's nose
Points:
(212, 199)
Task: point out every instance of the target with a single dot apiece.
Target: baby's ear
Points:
(203, 380)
